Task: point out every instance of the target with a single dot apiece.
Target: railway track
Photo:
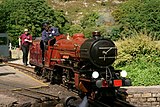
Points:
(120, 103)
(113, 103)
(47, 97)
(25, 69)
(38, 95)
(22, 67)
(40, 98)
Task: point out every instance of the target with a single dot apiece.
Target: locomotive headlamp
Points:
(95, 74)
(123, 73)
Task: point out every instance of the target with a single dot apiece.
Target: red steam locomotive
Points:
(81, 64)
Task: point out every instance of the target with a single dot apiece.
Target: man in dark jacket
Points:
(47, 33)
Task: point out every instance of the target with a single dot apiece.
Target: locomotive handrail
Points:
(56, 45)
(66, 67)
(55, 59)
(107, 47)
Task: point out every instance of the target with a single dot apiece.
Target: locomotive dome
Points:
(78, 35)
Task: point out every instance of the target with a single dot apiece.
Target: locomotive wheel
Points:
(122, 94)
(56, 76)
(38, 71)
(45, 74)
(70, 101)
(55, 79)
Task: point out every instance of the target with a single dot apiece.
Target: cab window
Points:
(3, 41)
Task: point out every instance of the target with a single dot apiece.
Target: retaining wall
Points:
(144, 96)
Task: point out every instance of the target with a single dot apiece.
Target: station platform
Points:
(12, 79)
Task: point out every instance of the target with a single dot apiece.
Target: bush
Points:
(140, 56)
(138, 16)
(75, 29)
(143, 72)
(132, 48)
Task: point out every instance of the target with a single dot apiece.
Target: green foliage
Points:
(87, 16)
(132, 48)
(75, 29)
(90, 23)
(89, 20)
(142, 72)
(138, 16)
(19, 14)
(140, 56)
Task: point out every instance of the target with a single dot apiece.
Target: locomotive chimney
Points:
(96, 34)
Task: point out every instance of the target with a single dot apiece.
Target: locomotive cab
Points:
(50, 43)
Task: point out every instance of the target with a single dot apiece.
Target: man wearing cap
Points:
(47, 33)
(24, 42)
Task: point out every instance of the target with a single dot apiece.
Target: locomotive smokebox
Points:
(100, 52)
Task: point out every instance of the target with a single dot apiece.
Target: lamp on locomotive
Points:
(96, 34)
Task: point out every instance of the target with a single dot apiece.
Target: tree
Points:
(19, 14)
(138, 16)
(89, 20)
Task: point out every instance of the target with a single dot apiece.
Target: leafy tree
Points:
(75, 29)
(88, 23)
(138, 16)
(19, 14)
(89, 20)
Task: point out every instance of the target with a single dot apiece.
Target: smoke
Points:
(105, 19)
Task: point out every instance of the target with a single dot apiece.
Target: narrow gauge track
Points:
(30, 92)
(114, 103)
(25, 69)
(39, 97)
(43, 98)
(22, 67)
(120, 103)
(94, 103)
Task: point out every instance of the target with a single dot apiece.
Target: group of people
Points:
(25, 40)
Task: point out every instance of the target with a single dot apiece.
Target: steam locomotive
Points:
(82, 64)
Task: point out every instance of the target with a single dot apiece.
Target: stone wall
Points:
(144, 96)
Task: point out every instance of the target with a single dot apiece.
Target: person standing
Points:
(25, 40)
(47, 33)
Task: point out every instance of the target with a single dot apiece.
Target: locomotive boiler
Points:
(81, 64)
